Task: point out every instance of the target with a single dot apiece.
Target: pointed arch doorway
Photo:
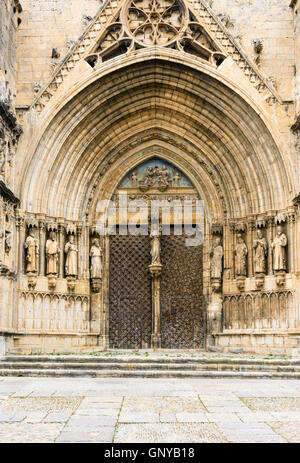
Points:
(164, 309)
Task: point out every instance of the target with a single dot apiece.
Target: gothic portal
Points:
(142, 102)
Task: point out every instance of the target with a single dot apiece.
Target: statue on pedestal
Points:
(260, 252)
(32, 252)
(96, 262)
(241, 252)
(216, 259)
(52, 253)
(71, 261)
(279, 251)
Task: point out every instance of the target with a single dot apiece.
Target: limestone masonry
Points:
(173, 100)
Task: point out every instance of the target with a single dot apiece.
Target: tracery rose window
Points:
(155, 22)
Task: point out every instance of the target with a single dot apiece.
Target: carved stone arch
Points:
(63, 142)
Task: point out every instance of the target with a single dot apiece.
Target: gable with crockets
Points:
(125, 26)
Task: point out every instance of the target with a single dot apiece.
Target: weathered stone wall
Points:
(270, 21)
(9, 19)
(296, 6)
(51, 24)
(47, 25)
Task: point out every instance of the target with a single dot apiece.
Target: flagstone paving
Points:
(149, 410)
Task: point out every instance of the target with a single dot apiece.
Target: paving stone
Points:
(168, 433)
(185, 417)
(223, 417)
(288, 430)
(127, 417)
(90, 421)
(57, 417)
(97, 411)
(29, 433)
(103, 435)
(167, 417)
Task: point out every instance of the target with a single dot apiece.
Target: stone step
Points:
(83, 359)
(146, 373)
(130, 366)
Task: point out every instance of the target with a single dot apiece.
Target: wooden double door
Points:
(182, 317)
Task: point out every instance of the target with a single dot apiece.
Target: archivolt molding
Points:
(125, 26)
(113, 169)
(164, 97)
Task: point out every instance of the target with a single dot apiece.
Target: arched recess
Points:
(188, 112)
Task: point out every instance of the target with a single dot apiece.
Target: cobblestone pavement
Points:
(149, 410)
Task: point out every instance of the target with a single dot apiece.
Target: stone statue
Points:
(164, 176)
(71, 261)
(32, 252)
(52, 253)
(134, 179)
(177, 179)
(279, 253)
(148, 179)
(216, 259)
(241, 252)
(96, 262)
(260, 252)
(155, 249)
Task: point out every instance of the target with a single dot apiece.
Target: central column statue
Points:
(155, 268)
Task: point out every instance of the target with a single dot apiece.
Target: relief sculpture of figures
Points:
(96, 263)
(71, 261)
(32, 252)
(260, 248)
(216, 259)
(241, 252)
(52, 253)
(279, 252)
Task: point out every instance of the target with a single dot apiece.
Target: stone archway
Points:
(194, 119)
(152, 305)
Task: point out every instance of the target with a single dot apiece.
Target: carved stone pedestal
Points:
(240, 282)
(155, 270)
(259, 281)
(71, 282)
(32, 278)
(216, 284)
(52, 280)
(96, 285)
(280, 278)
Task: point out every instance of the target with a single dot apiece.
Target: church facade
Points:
(127, 127)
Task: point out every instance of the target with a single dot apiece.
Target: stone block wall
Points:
(296, 7)
(270, 21)
(48, 25)
(10, 11)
